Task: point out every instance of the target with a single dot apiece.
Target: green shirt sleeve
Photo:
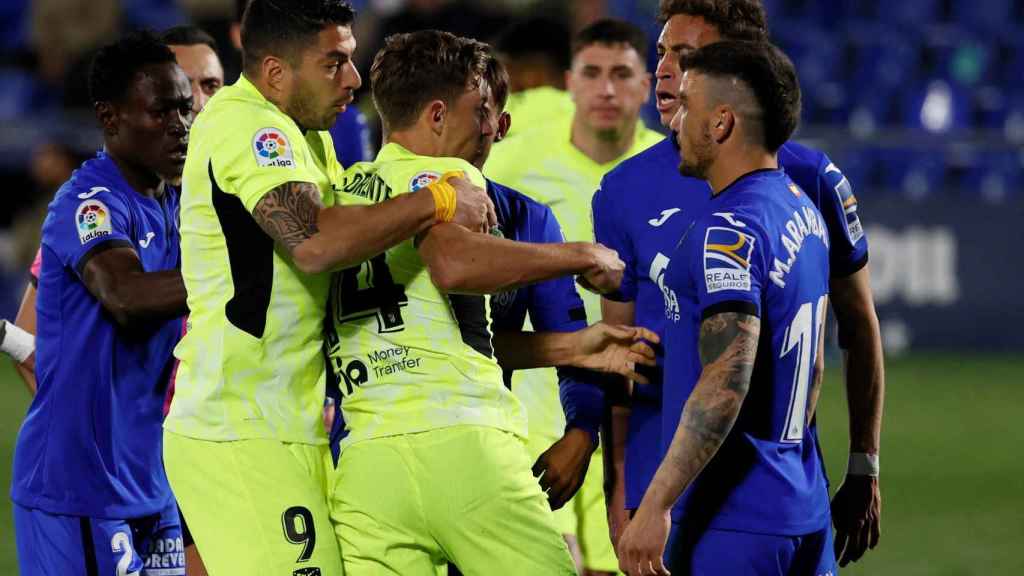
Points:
(263, 151)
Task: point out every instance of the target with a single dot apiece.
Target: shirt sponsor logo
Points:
(659, 267)
(422, 180)
(727, 259)
(272, 148)
(93, 220)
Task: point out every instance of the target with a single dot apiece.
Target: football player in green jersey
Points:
(561, 165)
(430, 423)
(261, 232)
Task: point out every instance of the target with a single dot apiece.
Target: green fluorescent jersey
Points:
(539, 108)
(407, 357)
(251, 361)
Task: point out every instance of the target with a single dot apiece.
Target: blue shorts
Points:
(52, 544)
(713, 552)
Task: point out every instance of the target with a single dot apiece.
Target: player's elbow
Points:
(310, 258)
(446, 274)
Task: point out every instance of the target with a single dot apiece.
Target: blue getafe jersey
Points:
(91, 442)
(351, 137)
(642, 209)
(761, 248)
(554, 306)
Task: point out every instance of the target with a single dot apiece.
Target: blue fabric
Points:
(90, 444)
(57, 544)
(351, 137)
(646, 190)
(714, 552)
(761, 248)
(554, 306)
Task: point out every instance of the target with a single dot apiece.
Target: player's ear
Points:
(647, 86)
(723, 122)
(504, 124)
(275, 72)
(437, 114)
(106, 113)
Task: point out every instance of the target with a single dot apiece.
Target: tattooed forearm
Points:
(728, 346)
(288, 213)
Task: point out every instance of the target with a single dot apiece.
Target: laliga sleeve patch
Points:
(92, 220)
(844, 194)
(727, 255)
(422, 180)
(272, 148)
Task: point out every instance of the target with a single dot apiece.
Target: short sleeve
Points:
(554, 305)
(37, 264)
(260, 155)
(848, 245)
(608, 230)
(81, 225)
(730, 267)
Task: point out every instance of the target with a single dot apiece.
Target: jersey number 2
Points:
(369, 290)
(802, 336)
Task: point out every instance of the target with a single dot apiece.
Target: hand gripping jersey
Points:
(761, 248)
(642, 209)
(407, 357)
(251, 361)
(91, 442)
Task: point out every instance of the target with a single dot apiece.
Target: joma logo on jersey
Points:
(727, 259)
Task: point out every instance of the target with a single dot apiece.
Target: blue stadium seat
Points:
(993, 176)
(937, 106)
(913, 13)
(983, 15)
(914, 172)
(881, 57)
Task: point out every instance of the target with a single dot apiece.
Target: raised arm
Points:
(320, 239)
(132, 296)
(728, 346)
(461, 261)
(856, 508)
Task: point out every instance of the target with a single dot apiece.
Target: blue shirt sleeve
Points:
(608, 222)
(81, 225)
(556, 306)
(848, 244)
(731, 268)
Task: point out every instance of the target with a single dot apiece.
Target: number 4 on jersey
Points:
(369, 290)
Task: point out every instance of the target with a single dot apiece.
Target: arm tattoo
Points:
(288, 213)
(728, 346)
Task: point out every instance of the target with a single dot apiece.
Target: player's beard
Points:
(303, 107)
(697, 163)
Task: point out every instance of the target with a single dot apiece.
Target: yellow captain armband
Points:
(444, 195)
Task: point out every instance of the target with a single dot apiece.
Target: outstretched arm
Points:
(461, 261)
(320, 239)
(728, 346)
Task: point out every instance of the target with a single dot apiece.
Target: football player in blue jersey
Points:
(641, 210)
(89, 489)
(748, 290)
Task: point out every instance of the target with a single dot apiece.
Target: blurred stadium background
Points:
(920, 102)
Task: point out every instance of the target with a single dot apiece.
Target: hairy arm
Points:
(26, 320)
(320, 239)
(131, 295)
(863, 359)
(728, 346)
(467, 262)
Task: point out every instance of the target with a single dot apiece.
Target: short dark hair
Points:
(497, 78)
(766, 72)
(115, 65)
(536, 37)
(416, 68)
(610, 31)
(284, 27)
(187, 36)
(734, 19)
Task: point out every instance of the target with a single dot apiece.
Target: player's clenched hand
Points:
(562, 467)
(473, 207)
(643, 543)
(857, 516)
(605, 273)
(616, 349)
